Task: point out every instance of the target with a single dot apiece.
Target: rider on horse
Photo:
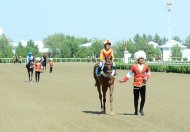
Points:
(29, 57)
(106, 52)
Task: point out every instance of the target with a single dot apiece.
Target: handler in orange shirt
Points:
(38, 69)
(141, 73)
(106, 52)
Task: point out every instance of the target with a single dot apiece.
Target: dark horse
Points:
(103, 82)
(44, 62)
(30, 68)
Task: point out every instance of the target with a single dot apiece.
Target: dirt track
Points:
(67, 101)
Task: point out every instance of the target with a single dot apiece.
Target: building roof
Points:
(172, 43)
(86, 44)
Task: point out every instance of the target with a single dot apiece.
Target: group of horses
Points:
(103, 82)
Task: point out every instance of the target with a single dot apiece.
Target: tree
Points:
(20, 50)
(187, 41)
(97, 45)
(30, 47)
(164, 40)
(157, 39)
(65, 46)
(121, 46)
(5, 47)
(83, 52)
(176, 52)
(177, 38)
(119, 49)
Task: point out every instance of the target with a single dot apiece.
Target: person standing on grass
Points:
(141, 73)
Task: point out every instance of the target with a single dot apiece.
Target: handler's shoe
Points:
(142, 112)
(136, 113)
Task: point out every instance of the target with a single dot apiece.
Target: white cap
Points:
(140, 54)
(38, 58)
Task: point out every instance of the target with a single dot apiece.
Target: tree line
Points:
(67, 46)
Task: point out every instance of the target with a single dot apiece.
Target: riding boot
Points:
(114, 67)
(98, 71)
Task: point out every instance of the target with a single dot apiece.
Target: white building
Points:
(167, 49)
(186, 54)
(89, 44)
(127, 56)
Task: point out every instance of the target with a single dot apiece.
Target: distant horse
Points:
(103, 82)
(30, 68)
(44, 62)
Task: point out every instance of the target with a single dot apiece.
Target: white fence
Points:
(10, 60)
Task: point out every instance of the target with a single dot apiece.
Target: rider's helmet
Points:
(29, 53)
(107, 42)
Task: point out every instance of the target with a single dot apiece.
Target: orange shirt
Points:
(106, 53)
(139, 75)
(38, 66)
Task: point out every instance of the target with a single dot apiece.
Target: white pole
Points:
(169, 6)
(169, 26)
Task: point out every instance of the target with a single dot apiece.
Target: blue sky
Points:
(109, 19)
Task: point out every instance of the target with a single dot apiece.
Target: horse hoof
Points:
(112, 113)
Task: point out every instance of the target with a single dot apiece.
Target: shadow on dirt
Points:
(93, 112)
(125, 113)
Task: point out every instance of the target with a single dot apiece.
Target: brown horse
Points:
(103, 82)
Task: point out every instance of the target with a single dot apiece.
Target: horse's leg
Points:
(104, 89)
(45, 69)
(111, 100)
(32, 74)
(100, 95)
(29, 75)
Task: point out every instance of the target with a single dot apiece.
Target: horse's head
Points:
(30, 64)
(108, 67)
